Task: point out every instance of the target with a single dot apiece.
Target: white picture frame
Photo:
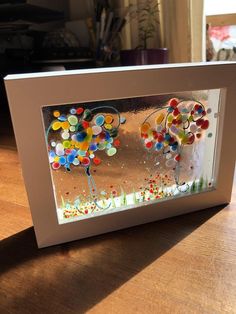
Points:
(29, 93)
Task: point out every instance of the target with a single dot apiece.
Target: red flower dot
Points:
(85, 124)
(199, 122)
(149, 144)
(79, 110)
(116, 143)
(177, 157)
(176, 112)
(173, 102)
(205, 125)
(102, 135)
(96, 161)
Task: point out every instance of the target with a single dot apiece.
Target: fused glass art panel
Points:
(112, 155)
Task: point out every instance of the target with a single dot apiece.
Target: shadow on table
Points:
(73, 277)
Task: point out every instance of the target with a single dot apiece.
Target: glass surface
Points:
(112, 155)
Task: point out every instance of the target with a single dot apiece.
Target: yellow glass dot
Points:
(56, 125)
(170, 118)
(108, 126)
(145, 127)
(89, 131)
(65, 125)
(56, 113)
(160, 117)
(56, 159)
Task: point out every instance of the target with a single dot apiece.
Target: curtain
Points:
(181, 29)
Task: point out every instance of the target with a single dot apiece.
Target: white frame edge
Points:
(28, 93)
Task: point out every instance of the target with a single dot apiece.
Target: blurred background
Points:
(46, 35)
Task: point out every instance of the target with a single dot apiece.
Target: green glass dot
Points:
(111, 151)
(66, 144)
(73, 120)
(87, 116)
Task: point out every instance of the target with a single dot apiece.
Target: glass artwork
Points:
(113, 155)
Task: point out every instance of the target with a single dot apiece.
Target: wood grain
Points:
(181, 265)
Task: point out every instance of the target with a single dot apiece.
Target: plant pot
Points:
(144, 56)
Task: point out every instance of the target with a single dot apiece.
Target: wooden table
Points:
(181, 265)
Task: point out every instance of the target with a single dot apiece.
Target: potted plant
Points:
(147, 17)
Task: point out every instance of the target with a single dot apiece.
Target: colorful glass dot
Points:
(73, 120)
(56, 113)
(111, 151)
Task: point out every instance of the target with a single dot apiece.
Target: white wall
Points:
(214, 7)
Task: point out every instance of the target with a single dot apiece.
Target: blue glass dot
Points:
(167, 137)
(81, 136)
(100, 120)
(74, 152)
(174, 147)
(159, 146)
(62, 118)
(73, 111)
(109, 145)
(200, 110)
(52, 153)
(62, 160)
(70, 158)
(170, 109)
(107, 136)
(93, 147)
(81, 153)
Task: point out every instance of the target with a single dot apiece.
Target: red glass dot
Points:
(176, 112)
(97, 161)
(160, 137)
(102, 135)
(149, 144)
(177, 157)
(173, 102)
(199, 122)
(205, 125)
(79, 110)
(116, 143)
(85, 124)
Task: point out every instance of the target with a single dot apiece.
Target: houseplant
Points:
(147, 18)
